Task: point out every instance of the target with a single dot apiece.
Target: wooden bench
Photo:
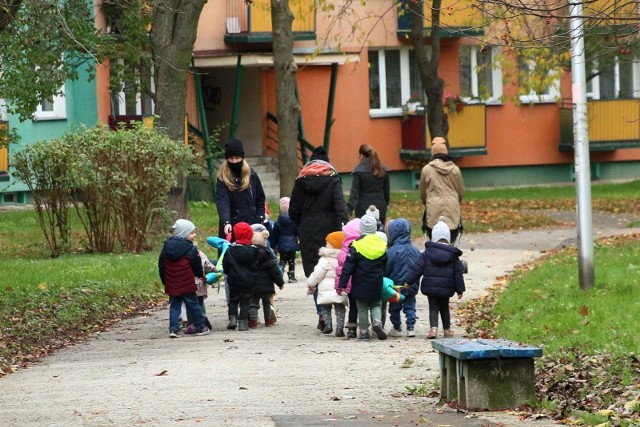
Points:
(485, 374)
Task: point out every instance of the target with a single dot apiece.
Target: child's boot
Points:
(253, 323)
(351, 331)
(433, 333)
(207, 323)
(328, 326)
(379, 330)
(292, 277)
(448, 333)
(269, 322)
(243, 325)
(364, 334)
(233, 321)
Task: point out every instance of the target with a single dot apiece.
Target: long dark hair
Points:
(374, 161)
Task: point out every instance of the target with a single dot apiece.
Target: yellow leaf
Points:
(42, 286)
(605, 412)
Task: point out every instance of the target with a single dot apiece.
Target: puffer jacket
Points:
(317, 207)
(365, 266)
(285, 234)
(323, 277)
(441, 190)
(269, 272)
(401, 255)
(240, 264)
(179, 264)
(351, 232)
(367, 190)
(441, 270)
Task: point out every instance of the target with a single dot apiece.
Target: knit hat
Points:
(441, 231)
(319, 153)
(182, 228)
(382, 236)
(243, 233)
(335, 239)
(259, 228)
(438, 146)
(368, 224)
(232, 148)
(284, 205)
(373, 211)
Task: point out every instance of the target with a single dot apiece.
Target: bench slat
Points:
(467, 349)
(512, 348)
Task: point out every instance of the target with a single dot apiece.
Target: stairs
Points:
(267, 170)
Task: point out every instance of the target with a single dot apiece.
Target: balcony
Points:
(458, 18)
(249, 23)
(613, 124)
(4, 150)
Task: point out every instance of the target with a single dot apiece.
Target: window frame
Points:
(58, 110)
(496, 76)
(546, 98)
(120, 98)
(595, 93)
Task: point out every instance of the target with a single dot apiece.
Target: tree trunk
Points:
(433, 85)
(173, 35)
(287, 106)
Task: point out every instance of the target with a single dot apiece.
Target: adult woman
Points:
(370, 184)
(441, 189)
(239, 193)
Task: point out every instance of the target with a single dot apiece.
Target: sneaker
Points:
(174, 334)
(379, 330)
(396, 332)
(351, 332)
(190, 330)
(340, 332)
(364, 335)
(203, 331)
(411, 333)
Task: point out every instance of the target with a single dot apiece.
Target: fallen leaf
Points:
(163, 372)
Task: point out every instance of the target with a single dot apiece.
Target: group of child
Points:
(363, 267)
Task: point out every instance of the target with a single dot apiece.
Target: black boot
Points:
(207, 323)
(233, 321)
(352, 332)
(320, 322)
(292, 277)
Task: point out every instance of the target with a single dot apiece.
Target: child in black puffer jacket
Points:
(268, 274)
(285, 239)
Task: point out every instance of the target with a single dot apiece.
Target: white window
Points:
(619, 80)
(480, 74)
(393, 80)
(3, 110)
(52, 109)
(128, 101)
(543, 86)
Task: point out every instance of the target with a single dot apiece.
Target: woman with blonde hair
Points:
(370, 184)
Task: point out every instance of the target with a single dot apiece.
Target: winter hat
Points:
(284, 205)
(232, 148)
(373, 211)
(243, 233)
(319, 153)
(368, 224)
(259, 228)
(438, 146)
(335, 239)
(441, 231)
(382, 236)
(182, 228)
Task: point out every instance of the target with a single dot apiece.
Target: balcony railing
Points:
(458, 18)
(4, 150)
(251, 22)
(613, 124)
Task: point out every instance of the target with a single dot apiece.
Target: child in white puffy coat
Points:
(323, 277)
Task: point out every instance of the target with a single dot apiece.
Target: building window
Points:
(480, 74)
(537, 85)
(3, 110)
(52, 109)
(619, 80)
(130, 99)
(393, 80)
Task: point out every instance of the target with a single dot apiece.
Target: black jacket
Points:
(240, 206)
(268, 272)
(365, 265)
(441, 270)
(367, 190)
(179, 264)
(285, 234)
(240, 264)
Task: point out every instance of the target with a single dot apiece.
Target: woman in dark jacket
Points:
(317, 207)
(370, 184)
(239, 193)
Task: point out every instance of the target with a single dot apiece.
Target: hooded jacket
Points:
(351, 232)
(317, 207)
(285, 234)
(179, 264)
(323, 277)
(401, 255)
(441, 190)
(240, 264)
(365, 266)
(441, 271)
(368, 189)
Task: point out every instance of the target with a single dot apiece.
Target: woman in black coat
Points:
(369, 185)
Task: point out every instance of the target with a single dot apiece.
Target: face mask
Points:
(236, 168)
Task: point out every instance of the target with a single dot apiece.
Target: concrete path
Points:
(288, 375)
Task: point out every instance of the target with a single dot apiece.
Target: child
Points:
(401, 256)
(268, 273)
(365, 266)
(442, 276)
(240, 264)
(351, 232)
(285, 239)
(201, 292)
(323, 277)
(179, 265)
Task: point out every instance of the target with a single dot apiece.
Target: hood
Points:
(315, 184)
(329, 252)
(442, 167)
(441, 254)
(285, 219)
(176, 247)
(351, 232)
(399, 231)
(370, 246)
(246, 254)
(317, 167)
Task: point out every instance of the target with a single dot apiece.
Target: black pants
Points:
(254, 306)
(353, 310)
(439, 305)
(242, 300)
(288, 257)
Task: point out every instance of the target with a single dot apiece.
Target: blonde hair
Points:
(225, 175)
(374, 161)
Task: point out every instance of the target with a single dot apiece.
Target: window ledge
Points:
(48, 118)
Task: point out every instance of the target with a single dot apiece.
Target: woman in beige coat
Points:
(441, 189)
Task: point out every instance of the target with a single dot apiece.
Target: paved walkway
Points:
(288, 375)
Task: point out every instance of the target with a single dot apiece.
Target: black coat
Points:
(268, 272)
(240, 264)
(368, 189)
(179, 264)
(240, 206)
(317, 206)
(285, 234)
(441, 270)
(365, 265)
